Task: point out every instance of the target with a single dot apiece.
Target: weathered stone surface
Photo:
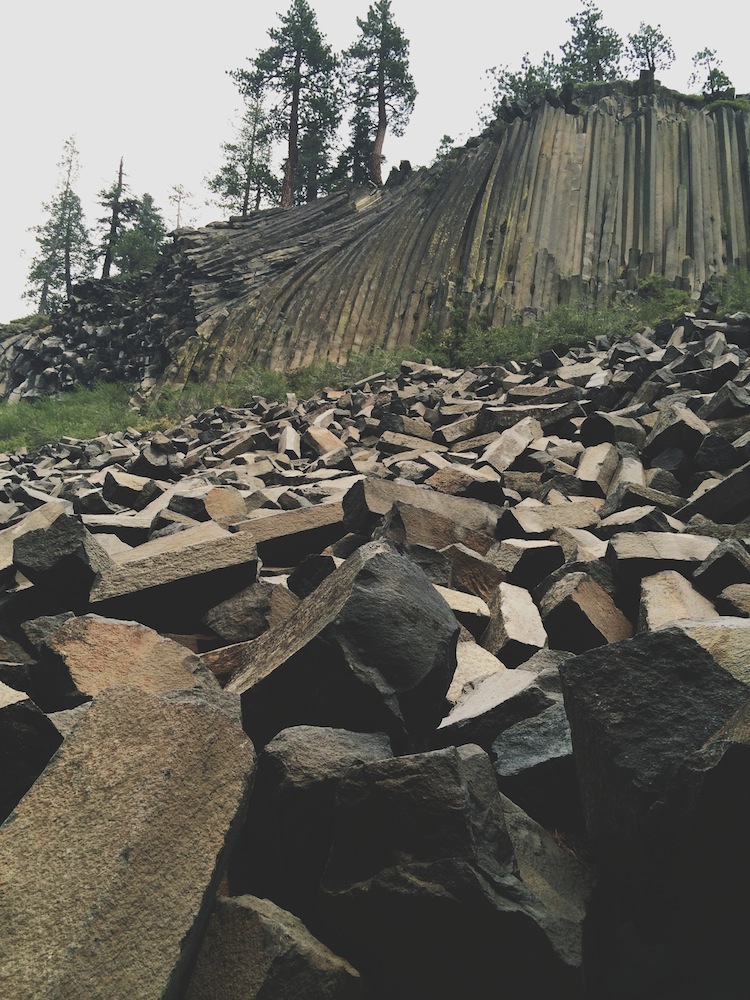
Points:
(189, 554)
(667, 597)
(119, 903)
(254, 949)
(735, 600)
(578, 614)
(729, 563)
(60, 554)
(251, 611)
(27, 742)
(727, 640)
(597, 468)
(533, 761)
(515, 631)
(373, 647)
(367, 503)
(437, 905)
(474, 663)
(526, 562)
(99, 653)
(491, 706)
(287, 838)
(511, 443)
(637, 711)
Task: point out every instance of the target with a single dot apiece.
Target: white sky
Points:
(146, 80)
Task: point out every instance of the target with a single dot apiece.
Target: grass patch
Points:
(84, 413)
(470, 342)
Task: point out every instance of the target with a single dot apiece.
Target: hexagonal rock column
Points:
(125, 834)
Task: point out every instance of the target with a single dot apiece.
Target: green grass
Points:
(86, 413)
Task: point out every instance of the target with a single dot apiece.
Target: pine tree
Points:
(138, 248)
(648, 48)
(246, 172)
(65, 252)
(593, 51)
(384, 91)
(298, 67)
(121, 209)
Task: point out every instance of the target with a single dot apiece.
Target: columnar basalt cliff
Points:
(564, 201)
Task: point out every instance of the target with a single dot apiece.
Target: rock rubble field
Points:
(438, 686)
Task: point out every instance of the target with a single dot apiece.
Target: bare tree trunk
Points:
(376, 157)
(249, 169)
(114, 225)
(290, 168)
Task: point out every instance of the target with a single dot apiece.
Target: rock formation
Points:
(487, 632)
(563, 201)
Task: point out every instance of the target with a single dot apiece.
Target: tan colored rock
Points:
(103, 652)
(511, 443)
(474, 663)
(597, 468)
(726, 639)
(640, 554)
(515, 631)
(540, 521)
(254, 949)
(367, 503)
(578, 615)
(186, 554)
(125, 832)
(667, 597)
(472, 572)
(472, 612)
(407, 525)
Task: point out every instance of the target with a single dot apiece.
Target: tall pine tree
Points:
(298, 68)
(65, 253)
(121, 209)
(245, 177)
(384, 91)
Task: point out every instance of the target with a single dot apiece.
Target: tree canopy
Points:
(65, 253)
(297, 68)
(384, 93)
(593, 50)
(648, 48)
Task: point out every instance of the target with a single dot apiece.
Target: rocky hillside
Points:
(565, 199)
(437, 686)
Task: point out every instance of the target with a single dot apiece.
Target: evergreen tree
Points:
(384, 91)
(298, 67)
(64, 253)
(245, 176)
(649, 49)
(138, 248)
(121, 209)
(593, 52)
(524, 84)
(707, 75)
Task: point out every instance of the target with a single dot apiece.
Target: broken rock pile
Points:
(435, 686)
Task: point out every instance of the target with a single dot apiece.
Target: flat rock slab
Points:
(253, 950)
(489, 707)
(367, 503)
(186, 554)
(103, 652)
(120, 890)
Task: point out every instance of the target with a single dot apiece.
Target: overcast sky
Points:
(146, 79)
